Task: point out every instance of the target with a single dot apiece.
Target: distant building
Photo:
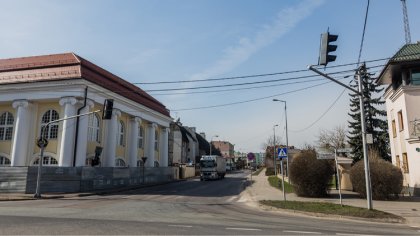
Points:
(402, 96)
(225, 147)
(185, 145)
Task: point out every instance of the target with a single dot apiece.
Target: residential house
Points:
(402, 76)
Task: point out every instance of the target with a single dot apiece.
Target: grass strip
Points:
(257, 172)
(276, 183)
(331, 209)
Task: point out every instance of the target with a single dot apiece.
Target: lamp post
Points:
(274, 149)
(287, 136)
(211, 140)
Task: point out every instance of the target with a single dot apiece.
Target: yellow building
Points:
(37, 90)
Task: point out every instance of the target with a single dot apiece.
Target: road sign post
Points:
(282, 153)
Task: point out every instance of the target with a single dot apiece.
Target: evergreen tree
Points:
(376, 123)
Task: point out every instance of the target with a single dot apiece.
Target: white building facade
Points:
(40, 89)
(402, 74)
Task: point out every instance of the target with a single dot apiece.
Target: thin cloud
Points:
(235, 55)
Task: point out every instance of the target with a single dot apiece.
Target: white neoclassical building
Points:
(39, 89)
(402, 76)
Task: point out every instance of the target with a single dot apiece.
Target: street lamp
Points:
(274, 149)
(211, 140)
(287, 136)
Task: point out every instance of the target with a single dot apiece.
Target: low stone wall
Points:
(186, 171)
(82, 179)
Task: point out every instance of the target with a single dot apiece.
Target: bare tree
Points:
(270, 142)
(335, 138)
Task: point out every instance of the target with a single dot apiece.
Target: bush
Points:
(310, 176)
(386, 179)
(269, 171)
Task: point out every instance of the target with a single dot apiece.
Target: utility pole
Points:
(363, 126)
(406, 25)
(274, 150)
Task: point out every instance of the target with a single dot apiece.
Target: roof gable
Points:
(71, 66)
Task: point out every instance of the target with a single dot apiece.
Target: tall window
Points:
(6, 126)
(93, 128)
(119, 163)
(397, 161)
(400, 121)
(394, 129)
(405, 163)
(156, 140)
(140, 137)
(47, 161)
(52, 131)
(121, 134)
(4, 161)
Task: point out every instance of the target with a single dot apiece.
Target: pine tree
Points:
(376, 123)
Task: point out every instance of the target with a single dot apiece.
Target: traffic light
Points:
(107, 111)
(326, 48)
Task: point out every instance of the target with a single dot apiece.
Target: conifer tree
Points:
(375, 116)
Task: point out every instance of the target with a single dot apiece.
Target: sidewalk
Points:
(407, 207)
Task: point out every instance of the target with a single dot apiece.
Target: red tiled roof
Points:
(70, 66)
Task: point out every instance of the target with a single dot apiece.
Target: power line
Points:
(236, 89)
(255, 75)
(242, 84)
(323, 114)
(250, 100)
(363, 34)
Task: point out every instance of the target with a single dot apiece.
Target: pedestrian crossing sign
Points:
(282, 153)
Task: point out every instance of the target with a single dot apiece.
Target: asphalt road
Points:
(188, 207)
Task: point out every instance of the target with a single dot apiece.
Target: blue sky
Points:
(186, 40)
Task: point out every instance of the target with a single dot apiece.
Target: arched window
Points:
(93, 128)
(119, 163)
(140, 137)
(47, 161)
(4, 161)
(121, 134)
(6, 126)
(156, 140)
(52, 131)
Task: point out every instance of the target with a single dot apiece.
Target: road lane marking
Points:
(181, 226)
(245, 229)
(300, 232)
(355, 234)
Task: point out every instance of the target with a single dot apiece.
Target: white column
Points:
(164, 147)
(20, 133)
(82, 141)
(133, 141)
(150, 150)
(110, 143)
(68, 132)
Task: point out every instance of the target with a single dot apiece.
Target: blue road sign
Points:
(282, 153)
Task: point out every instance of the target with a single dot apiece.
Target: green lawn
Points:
(276, 183)
(331, 208)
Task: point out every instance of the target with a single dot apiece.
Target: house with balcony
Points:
(402, 76)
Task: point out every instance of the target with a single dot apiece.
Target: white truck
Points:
(212, 167)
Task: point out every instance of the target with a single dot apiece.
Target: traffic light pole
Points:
(42, 146)
(363, 126)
